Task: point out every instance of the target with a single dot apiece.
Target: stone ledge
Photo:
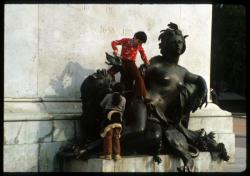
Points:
(41, 99)
(216, 124)
(21, 111)
(71, 107)
(13, 116)
(43, 107)
(210, 111)
(203, 163)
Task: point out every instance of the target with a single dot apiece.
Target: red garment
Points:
(128, 51)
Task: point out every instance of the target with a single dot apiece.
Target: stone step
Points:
(203, 163)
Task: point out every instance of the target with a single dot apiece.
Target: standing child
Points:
(130, 47)
(113, 105)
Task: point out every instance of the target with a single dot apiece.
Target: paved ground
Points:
(240, 161)
(239, 126)
(240, 131)
(236, 104)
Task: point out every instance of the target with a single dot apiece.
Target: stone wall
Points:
(51, 48)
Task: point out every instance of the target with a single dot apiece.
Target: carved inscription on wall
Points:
(109, 9)
(106, 29)
(85, 7)
(127, 32)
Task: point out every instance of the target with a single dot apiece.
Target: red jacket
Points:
(128, 51)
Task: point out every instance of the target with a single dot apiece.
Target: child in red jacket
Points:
(130, 47)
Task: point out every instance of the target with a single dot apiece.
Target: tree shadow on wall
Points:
(69, 82)
(65, 85)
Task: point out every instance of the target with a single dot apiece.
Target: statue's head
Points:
(172, 42)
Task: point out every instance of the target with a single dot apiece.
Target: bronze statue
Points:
(162, 124)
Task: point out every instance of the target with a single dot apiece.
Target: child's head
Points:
(141, 36)
(119, 87)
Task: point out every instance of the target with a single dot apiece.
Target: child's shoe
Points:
(118, 157)
(106, 157)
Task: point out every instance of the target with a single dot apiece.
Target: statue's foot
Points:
(183, 169)
(186, 168)
(78, 151)
(157, 159)
(82, 151)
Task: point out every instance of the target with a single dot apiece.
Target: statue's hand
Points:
(143, 68)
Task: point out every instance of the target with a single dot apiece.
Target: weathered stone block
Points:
(27, 132)
(229, 140)
(217, 124)
(63, 130)
(76, 166)
(64, 80)
(203, 163)
(127, 164)
(48, 162)
(13, 116)
(79, 130)
(210, 111)
(20, 158)
(240, 164)
(43, 107)
(169, 163)
(20, 50)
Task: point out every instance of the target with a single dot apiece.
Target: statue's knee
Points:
(171, 138)
(156, 135)
(140, 129)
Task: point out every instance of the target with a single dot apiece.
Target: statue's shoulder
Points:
(182, 68)
(156, 59)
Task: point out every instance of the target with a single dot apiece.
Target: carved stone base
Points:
(203, 163)
(213, 118)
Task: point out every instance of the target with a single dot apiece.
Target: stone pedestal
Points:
(44, 68)
(203, 163)
(211, 118)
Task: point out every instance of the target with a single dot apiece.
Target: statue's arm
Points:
(200, 95)
(103, 102)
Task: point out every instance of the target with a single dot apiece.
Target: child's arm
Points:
(114, 45)
(103, 102)
(123, 103)
(143, 55)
